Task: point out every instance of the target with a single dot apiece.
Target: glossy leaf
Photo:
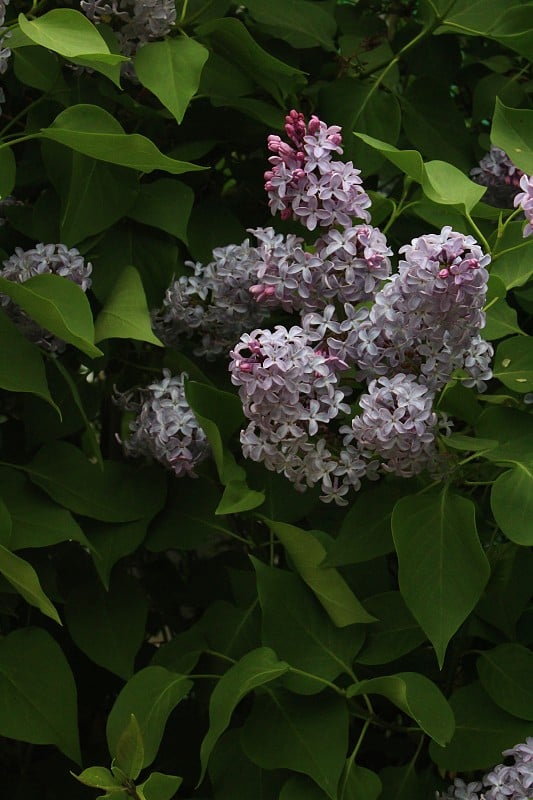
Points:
(171, 69)
(67, 32)
(151, 695)
(304, 734)
(91, 130)
(329, 587)
(300, 631)
(22, 576)
(59, 305)
(505, 674)
(254, 669)
(99, 778)
(442, 567)
(418, 697)
(38, 705)
(125, 314)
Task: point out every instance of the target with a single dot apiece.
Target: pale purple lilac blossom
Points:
(165, 427)
(504, 782)
(525, 200)
(43, 259)
(305, 183)
(5, 52)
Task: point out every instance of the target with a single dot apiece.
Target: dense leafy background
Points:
(227, 637)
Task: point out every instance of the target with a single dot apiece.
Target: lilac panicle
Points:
(525, 200)
(165, 427)
(5, 52)
(43, 259)
(306, 184)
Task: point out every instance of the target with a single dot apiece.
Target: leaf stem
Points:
(478, 233)
(19, 140)
(325, 682)
(351, 758)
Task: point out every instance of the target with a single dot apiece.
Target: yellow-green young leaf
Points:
(125, 314)
(159, 786)
(65, 31)
(130, 749)
(23, 577)
(39, 702)
(238, 497)
(59, 305)
(418, 697)
(98, 778)
(254, 669)
(330, 588)
(171, 69)
(21, 364)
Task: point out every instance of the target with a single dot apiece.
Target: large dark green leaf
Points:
(505, 673)
(296, 626)
(171, 69)
(22, 576)
(304, 734)
(233, 775)
(38, 693)
(512, 130)
(21, 364)
(165, 204)
(395, 633)
(301, 23)
(119, 493)
(254, 669)
(513, 363)
(511, 500)
(509, 588)
(151, 695)
(442, 566)
(482, 731)
(231, 630)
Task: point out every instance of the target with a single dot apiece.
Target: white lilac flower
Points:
(505, 782)
(43, 259)
(525, 200)
(165, 427)
(306, 184)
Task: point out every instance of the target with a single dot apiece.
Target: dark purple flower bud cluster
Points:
(497, 172)
(504, 782)
(306, 184)
(135, 22)
(525, 200)
(404, 335)
(43, 259)
(165, 427)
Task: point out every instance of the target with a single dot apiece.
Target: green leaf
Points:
(165, 204)
(359, 783)
(416, 696)
(182, 652)
(151, 695)
(229, 38)
(300, 23)
(98, 778)
(233, 775)
(303, 734)
(171, 69)
(469, 444)
(501, 319)
(441, 182)
(299, 630)
(329, 587)
(94, 132)
(130, 749)
(254, 669)
(482, 731)
(223, 408)
(513, 363)
(67, 32)
(366, 529)
(125, 314)
(21, 364)
(8, 171)
(442, 566)
(505, 674)
(230, 630)
(108, 626)
(511, 500)
(514, 267)
(59, 305)
(301, 788)
(23, 577)
(39, 703)
(512, 130)
(112, 542)
(238, 497)
(509, 588)
(5, 525)
(159, 786)
(37, 67)
(403, 783)
(394, 634)
(121, 493)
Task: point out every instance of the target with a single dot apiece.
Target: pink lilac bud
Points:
(44, 259)
(306, 184)
(165, 427)
(525, 200)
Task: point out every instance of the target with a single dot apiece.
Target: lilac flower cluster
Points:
(5, 52)
(497, 172)
(135, 22)
(422, 324)
(306, 184)
(165, 427)
(513, 782)
(44, 259)
(525, 200)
